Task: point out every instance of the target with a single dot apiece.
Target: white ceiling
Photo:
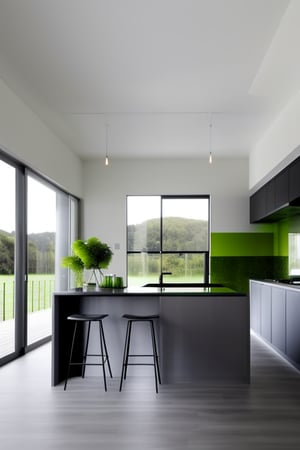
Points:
(157, 71)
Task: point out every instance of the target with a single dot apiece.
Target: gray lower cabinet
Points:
(266, 298)
(293, 328)
(278, 331)
(275, 315)
(255, 308)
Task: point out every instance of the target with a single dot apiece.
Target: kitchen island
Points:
(203, 332)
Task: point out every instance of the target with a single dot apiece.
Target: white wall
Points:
(24, 136)
(105, 190)
(278, 147)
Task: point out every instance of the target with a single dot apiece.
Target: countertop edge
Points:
(277, 283)
(139, 293)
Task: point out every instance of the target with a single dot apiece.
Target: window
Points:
(294, 254)
(167, 234)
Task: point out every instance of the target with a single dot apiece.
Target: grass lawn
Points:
(152, 278)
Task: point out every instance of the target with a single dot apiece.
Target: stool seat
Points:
(89, 318)
(134, 318)
(138, 317)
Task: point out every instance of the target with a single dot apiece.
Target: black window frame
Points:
(162, 252)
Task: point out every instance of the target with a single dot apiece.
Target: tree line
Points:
(40, 254)
(178, 234)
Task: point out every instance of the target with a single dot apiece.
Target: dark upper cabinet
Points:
(281, 182)
(263, 202)
(294, 182)
(269, 203)
(258, 205)
(270, 196)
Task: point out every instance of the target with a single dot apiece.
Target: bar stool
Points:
(89, 318)
(133, 319)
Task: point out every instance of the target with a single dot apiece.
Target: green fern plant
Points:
(75, 264)
(93, 253)
(90, 254)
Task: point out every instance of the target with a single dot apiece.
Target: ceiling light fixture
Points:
(106, 144)
(209, 144)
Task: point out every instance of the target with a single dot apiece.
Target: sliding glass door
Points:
(38, 222)
(41, 232)
(7, 258)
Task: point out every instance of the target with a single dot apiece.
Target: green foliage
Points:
(76, 265)
(40, 253)
(93, 253)
(179, 234)
(7, 245)
(72, 262)
(89, 254)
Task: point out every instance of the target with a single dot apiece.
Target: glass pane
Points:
(183, 268)
(294, 254)
(41, 226)
(7, 252)
(185, 224)
(143, 268)
(143, 223)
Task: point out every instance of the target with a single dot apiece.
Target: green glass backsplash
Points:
(238, 257)
(236, 271)
(242, 244)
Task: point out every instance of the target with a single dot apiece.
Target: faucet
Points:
(161, 277)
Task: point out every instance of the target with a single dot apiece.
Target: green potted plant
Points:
(91, 254)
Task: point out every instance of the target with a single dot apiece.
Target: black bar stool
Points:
(131, 319)
(83, 318)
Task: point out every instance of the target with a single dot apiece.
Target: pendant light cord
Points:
(106, 144)
(210, 140)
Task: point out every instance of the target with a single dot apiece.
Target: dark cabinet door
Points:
(294, 180)
(278, 319)
(258, 205)
(281, 189)
(292, 325)
(270, 197)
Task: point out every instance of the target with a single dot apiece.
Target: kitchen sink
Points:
(180, 285)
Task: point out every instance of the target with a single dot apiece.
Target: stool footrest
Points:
(140, 364)
(86, 364)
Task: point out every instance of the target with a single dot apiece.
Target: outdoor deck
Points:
(39, 326)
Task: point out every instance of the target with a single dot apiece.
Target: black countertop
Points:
(155, 291)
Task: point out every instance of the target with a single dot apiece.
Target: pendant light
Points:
(106, 144)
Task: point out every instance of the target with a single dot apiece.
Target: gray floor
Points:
(264, 415)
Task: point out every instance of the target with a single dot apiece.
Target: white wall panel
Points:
(105, 190)
(25, 136)
(278, 147)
